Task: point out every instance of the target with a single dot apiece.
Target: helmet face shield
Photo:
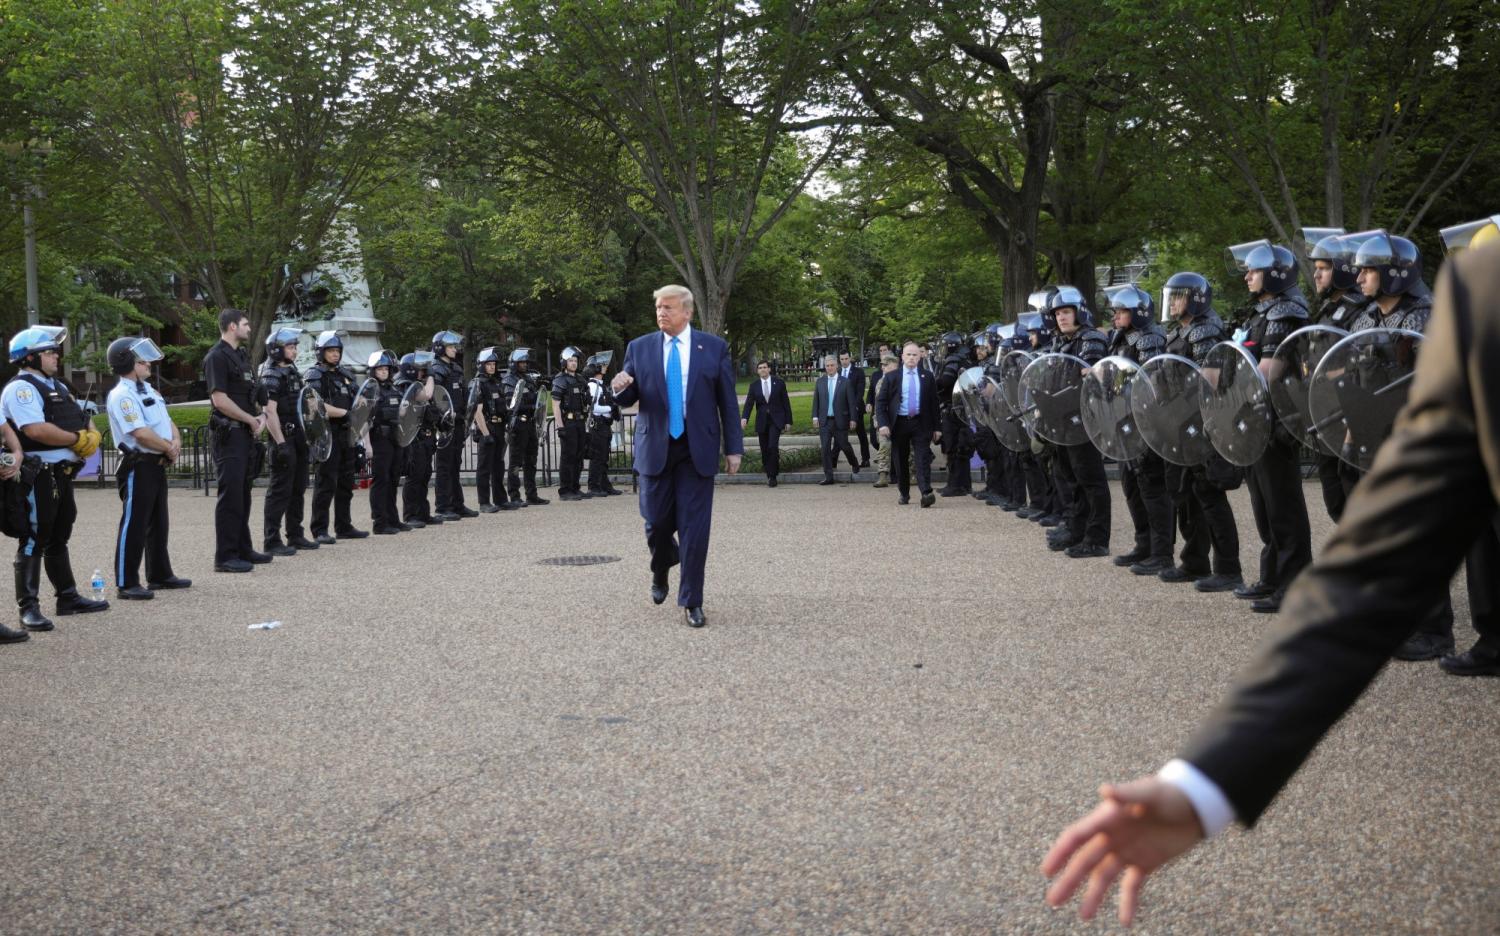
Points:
(382, 358)
(36, 339)
(422, 359)
(447, 339)
(486, 355)
(521, 356)
(146, 350)
(330, 339)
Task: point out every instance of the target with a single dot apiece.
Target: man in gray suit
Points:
(835, 409)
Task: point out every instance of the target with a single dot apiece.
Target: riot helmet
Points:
(277, 341)
(333, 338)
(1470, 234)
(414, 365)
(1133, 299)
(487, 356)
(1337, 251)
(951, 341)
(1396, 259)
(1071, 297)
(1021, 337)
(994, 335)
(446, 339)
(519, 358)
(35, 340)
(382, 358)
(600, 362)
(123, 353)
(570, 353)
(1277, 263)
(1188, 286)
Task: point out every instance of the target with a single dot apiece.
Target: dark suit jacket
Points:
(710, 409)
(1434, 485)
(778, 409)
(857, 379)
(889, 400)
(845, 405)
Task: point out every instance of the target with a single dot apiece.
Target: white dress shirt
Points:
(684, 355)
(1213, 808)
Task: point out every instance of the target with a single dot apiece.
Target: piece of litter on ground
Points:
(266, 625)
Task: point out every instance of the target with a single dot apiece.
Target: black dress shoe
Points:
(1180, 574)
(11, 635)
(904, 500)
(467, 512)
(255, 558)
(70, 602)
(1424, 647)
(323, 539)
(1267, 605)
(33, 619)
(533, 499)
(960, 492)
(387, 530)
(135, 593)
(694, 617)
(825, 482)
(488, 508)
(510, 505)
(1253, 592)
(570, 496)
(280, 549)
(233, 565)
(301, 542)
(448, 516)
(1476, 661)
(413, 524)
(658, 587)
(170, 583)
(928, 500)
(1219, 582)
(616, 492)
(351, 533)
(1131, 558)
(770, 482)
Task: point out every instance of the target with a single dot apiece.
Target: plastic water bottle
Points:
(97, 583)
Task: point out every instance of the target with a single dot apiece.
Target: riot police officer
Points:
(148, 442)
(1199, 494)
(1088, 524)
(1275, 480)
(237, 451)
(996, 491)
(957, 439)
(603, 411)
(416, 511)
(488, 412)
(385, 448)
(448, 372)
(333, 485)
(1138, 338)
(56, 437)
(522, 388)
(280, 390)
(570, 410)
(1339, 303)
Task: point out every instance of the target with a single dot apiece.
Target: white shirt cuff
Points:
(1213, 808)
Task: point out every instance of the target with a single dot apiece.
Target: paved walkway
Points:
(890, 714)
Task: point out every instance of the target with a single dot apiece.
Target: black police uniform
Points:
(489, 476)
(333, 485)
(600, 434)
(1083, 465)
(572, 395)
(282, 384)
(1199, 493)
(236, 453)
(1144, 481)
(1275, 480)
(53, 510)
(415, 507)
(385, 458)
(450, 490)
(998, 486)
(958, 440)
(521, 390)
(1338, 311)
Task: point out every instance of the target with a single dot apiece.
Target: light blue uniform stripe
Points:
(30, 547)
(124, 526)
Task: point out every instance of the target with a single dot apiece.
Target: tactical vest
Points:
(58, 408)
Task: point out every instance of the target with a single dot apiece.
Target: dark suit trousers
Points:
(903, 435)
(835, 440)
(1275, 484)
(1483, 567)
(677, 506)
(770, 448)
(864, 437)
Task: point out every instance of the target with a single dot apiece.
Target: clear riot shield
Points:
(1107, 417)
(1164, 399)
(543, 406)
(442, 405)
(315, 427)
(362, 408)
(1011, 367)
(1236, 404)
(1052, 398)
(1297, 358)
(409, 417)
(960, 405)
(1359, 387)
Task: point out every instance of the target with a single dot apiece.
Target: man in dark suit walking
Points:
(684, 384)
(768, 399)
(835, 408)
(855, 374)
(1434, 487)
(906, 416)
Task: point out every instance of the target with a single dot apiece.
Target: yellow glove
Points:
(88, 442)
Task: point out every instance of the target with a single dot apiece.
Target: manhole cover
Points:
(577, 560)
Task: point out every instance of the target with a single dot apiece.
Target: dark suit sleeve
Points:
(627, 397)
(750, 393)
(785, 399)
(851, 398)
(734, 438)
(1402, 536)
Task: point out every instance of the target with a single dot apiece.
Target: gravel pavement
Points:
(890, 715)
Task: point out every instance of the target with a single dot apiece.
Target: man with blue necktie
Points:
(907, 416)
(684, 384)
(835, 409)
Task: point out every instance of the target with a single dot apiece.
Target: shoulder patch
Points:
(24, 394)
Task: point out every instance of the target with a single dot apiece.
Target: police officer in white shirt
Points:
(148, 442)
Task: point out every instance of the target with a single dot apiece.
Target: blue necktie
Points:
(830, 397)
(674, 392)
(911, 393)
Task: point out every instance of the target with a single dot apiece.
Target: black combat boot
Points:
(28, 580)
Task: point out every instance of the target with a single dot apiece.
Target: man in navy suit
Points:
(855, 374)
(835, 408)
(685, 386)
(773, 414)
(907, 416)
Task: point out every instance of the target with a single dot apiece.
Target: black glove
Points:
(284, 454)
(489, 439)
